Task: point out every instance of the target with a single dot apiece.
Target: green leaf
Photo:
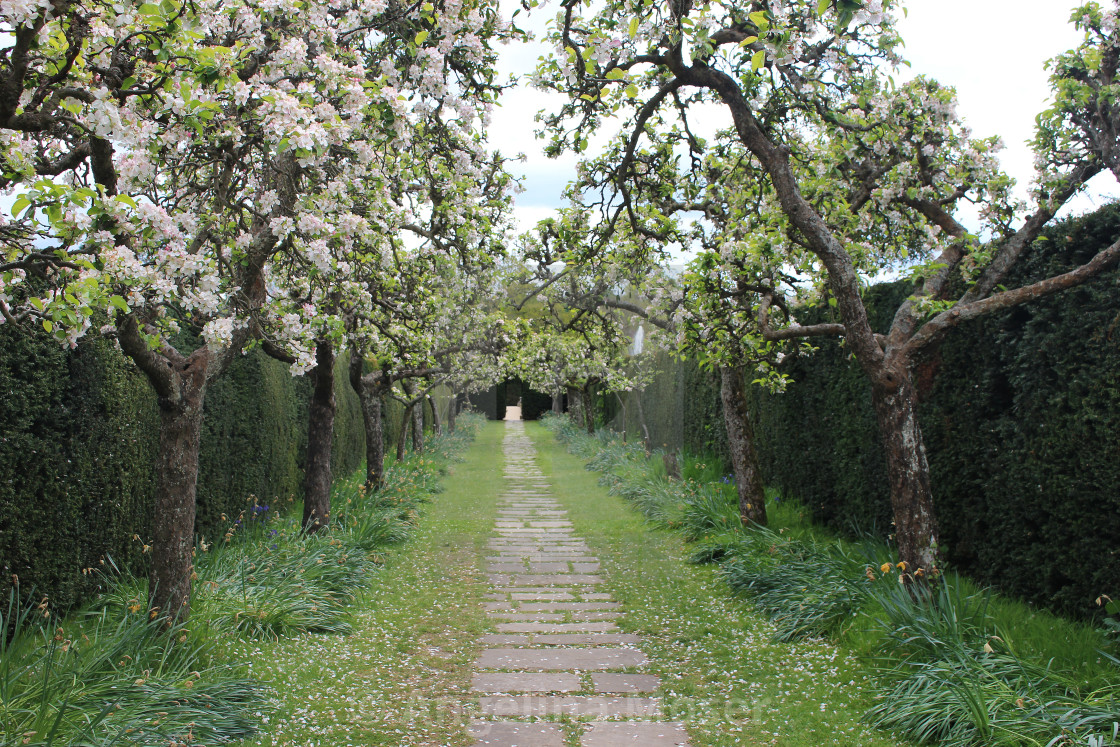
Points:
(632, 91)
(126, 200)
(149, 9)
(48, 325)
(832, 302)
(822, 6)
(633, 27)
(758, 18)
(758, 59)
(118, 302)
(37, 303)
(421, 37)
(615, 73)
(21, 204)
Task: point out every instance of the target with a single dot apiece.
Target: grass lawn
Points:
(721, 674)
(400, 677)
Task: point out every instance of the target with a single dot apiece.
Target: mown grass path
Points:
(404, 676)
(721, 675)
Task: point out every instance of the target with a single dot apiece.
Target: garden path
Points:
(557, 651)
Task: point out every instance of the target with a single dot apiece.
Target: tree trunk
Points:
(740, 442)
(369, 397)
(402, 434)
(437, 425)
(418, 427)
(575, 406)
(915, 520)
(557, 402)
(625, 416)
(452, 411)
(320, 434)
(642, 422)
(672, 466)
(180, 434)
(589, 407)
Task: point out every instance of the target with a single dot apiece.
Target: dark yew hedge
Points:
(1021, 415)
(78, 438)
(682, 410)
(534, 403)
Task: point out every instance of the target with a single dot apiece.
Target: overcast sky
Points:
(992, 51)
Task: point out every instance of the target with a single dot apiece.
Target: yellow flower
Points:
(885, 568)
(901, 566)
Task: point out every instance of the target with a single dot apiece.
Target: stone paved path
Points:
(558, 672)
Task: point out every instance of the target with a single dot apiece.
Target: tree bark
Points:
(625, 416)
(180, 383)
(642, 422)
(180, 434)
(320, 434)
(588, 398)
(402, 434)
(575, 406)
(418, 427)
(915, 521)
(557, 402)
(452, 411)
(437, 424)
(369, 397)
(740, 442)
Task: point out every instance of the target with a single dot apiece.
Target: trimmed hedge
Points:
(1020, 412)
(1021, 416)
(682, 407)
(534, 403)
(78, 439)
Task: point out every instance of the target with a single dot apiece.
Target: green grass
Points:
(402, 675)
(722, 673)
(955, 664)
(112, 676)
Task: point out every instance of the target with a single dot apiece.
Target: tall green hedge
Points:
(78, 438)
(1021, 416)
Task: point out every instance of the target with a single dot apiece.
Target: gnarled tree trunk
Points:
(402, 434)
(369, 389)
(437, 424)
(452, 410)
(557, 402)
(740, 441)
(320, 435)
(180, 435)
(588, 398)
(180, 383)
(915, 530)
(575, 406)
(418, 427)
(642, 421)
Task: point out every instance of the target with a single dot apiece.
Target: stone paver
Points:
(583, 659)
(605, 682)
(556, 651)
(637, 734)
(580, 627)
(526, 682)
(571, 705)
(498, 734)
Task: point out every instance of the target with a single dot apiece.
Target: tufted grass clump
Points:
(956, 664)
(110, 675)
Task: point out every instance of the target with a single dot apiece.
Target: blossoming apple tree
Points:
(167, 161)
(853, 174)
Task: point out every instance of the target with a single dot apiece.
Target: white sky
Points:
(992, 51)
